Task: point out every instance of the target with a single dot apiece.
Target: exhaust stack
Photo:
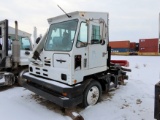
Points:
(35, 34)
(16, 47)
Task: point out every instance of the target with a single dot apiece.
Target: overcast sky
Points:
(129, 19)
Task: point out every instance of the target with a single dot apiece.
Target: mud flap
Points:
(74, 115)
(157, 102)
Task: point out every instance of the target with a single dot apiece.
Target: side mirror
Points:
(102, 42)
(37, 40)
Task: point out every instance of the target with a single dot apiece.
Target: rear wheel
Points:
(92, 94)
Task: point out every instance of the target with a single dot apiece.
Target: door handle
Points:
(103, 54)
(60, 61)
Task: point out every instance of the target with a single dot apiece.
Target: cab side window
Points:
(25, 44)
(82, 36)
(95, 39)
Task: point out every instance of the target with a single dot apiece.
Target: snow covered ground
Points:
(133, 101)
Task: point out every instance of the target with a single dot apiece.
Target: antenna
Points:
(64, 12)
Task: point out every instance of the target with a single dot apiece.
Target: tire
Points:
(92, 94)
(20, 79)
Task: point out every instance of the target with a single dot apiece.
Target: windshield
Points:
(61, 36)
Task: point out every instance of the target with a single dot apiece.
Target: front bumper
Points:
(52, 90)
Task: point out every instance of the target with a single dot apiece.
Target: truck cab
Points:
(71, 63)
(25, 42)
(72, 48)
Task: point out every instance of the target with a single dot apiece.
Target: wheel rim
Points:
(93, 95)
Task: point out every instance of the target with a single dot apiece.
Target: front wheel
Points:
(92, 94)
(20, 78)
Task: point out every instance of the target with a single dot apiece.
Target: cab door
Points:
(97, 52)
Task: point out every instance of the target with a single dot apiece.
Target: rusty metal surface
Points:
(119, 44)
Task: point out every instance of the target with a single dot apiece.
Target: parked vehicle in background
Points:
(133, 53)
(15, 48)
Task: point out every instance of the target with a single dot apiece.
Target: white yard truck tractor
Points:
(75, 61)
(15, 48)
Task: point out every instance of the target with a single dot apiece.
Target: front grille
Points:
(45, 74)
(45, 70)
(47, 63)
(38, 73)
(37, 68)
